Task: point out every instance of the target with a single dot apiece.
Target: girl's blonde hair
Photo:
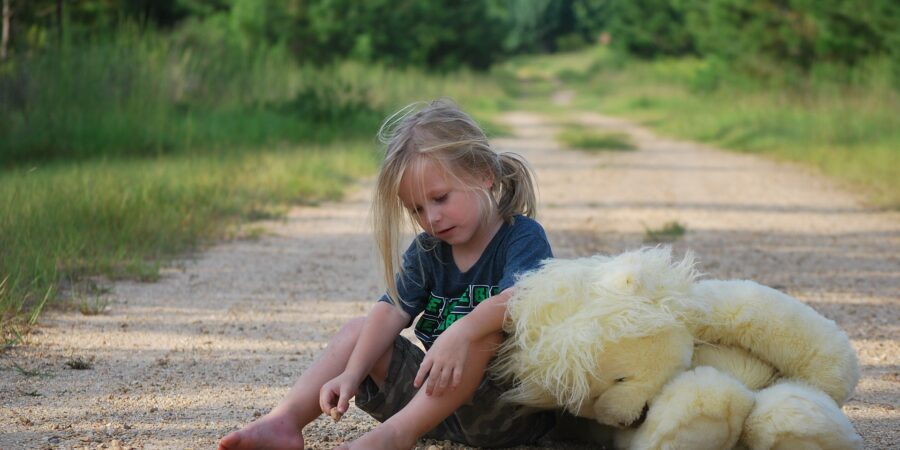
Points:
(440, 133)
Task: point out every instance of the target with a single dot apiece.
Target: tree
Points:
(4, 38)
(797, 33)
(649, 28)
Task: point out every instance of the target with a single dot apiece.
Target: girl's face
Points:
(442, 207)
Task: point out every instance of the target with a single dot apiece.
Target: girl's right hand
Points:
(338, 392)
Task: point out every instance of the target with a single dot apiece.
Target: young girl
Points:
(474, 207)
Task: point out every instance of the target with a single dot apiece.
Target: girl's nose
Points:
(434, 215)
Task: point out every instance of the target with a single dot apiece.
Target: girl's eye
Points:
(441, 198)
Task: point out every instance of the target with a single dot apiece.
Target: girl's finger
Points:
(432, 380)
(439, 375)
(457, 377)
(323, 400)
(423, 371)
(444, 380)
(343, 403)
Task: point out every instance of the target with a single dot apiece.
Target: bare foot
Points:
(269, 432)
(382, 437)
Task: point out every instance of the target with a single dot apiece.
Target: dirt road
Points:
(221, 337)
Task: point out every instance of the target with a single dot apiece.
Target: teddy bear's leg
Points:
(795, 416)
(699, 409)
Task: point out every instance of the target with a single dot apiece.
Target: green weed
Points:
(11, 339)
(30, 372)
(92, 306)
(77, 363)
(585, 138)
(669, 232)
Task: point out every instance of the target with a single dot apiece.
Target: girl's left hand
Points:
(445, 360)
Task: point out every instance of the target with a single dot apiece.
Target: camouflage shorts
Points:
(484, 421)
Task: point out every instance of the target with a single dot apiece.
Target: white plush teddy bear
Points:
(636, 343)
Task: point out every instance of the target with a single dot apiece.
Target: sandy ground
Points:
(221, 337)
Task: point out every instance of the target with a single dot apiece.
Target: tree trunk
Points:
(4, 40)
(59, 21)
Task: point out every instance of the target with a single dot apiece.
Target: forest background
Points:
(133, 131)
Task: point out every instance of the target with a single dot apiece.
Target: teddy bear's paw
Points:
(794, 416)
(699, 409)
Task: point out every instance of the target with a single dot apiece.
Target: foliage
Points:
(849, 131)
(650, 28)
(585, 138)
(422, 33)
(195, 90)
(669, 232)
(120, 218)
(795, 33)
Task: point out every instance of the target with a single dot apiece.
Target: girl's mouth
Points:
(445, 231)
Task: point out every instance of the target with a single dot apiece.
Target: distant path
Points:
(220, 338)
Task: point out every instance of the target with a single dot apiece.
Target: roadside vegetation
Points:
(591, 139)
(842, 122)
(669, 232)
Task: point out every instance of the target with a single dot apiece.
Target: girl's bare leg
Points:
(425, 411)
(281, 428)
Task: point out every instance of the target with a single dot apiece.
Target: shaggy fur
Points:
(699, 409)
(606, 338)
(737, 362)
(779, 330)
(809, 418)
(584, 306)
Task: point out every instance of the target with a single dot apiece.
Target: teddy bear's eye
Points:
(619, 380)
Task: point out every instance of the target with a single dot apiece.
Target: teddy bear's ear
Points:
(649, 273)
(622, 279)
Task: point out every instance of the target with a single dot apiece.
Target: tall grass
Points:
(117, 155)
(125, 217)
(589, 139)
(148, 94)
(844, 122)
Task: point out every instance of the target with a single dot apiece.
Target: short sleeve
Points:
(411, 285)
(527, 248)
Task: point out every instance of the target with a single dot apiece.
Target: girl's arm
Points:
(444, 362)
(383, 324)
(487, 318)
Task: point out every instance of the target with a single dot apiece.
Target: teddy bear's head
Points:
(598, 335)
(630, 372)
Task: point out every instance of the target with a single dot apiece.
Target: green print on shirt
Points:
(441, 312)
(482, 293)
(434, 305)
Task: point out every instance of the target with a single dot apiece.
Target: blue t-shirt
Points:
(432, 285)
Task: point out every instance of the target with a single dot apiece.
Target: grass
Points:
(123, 218)
(590, 139)
(30, 372)
(11, 338)
(93, 306)
(669, 232)
(845, 124)
(147, 95)
(77, 363)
